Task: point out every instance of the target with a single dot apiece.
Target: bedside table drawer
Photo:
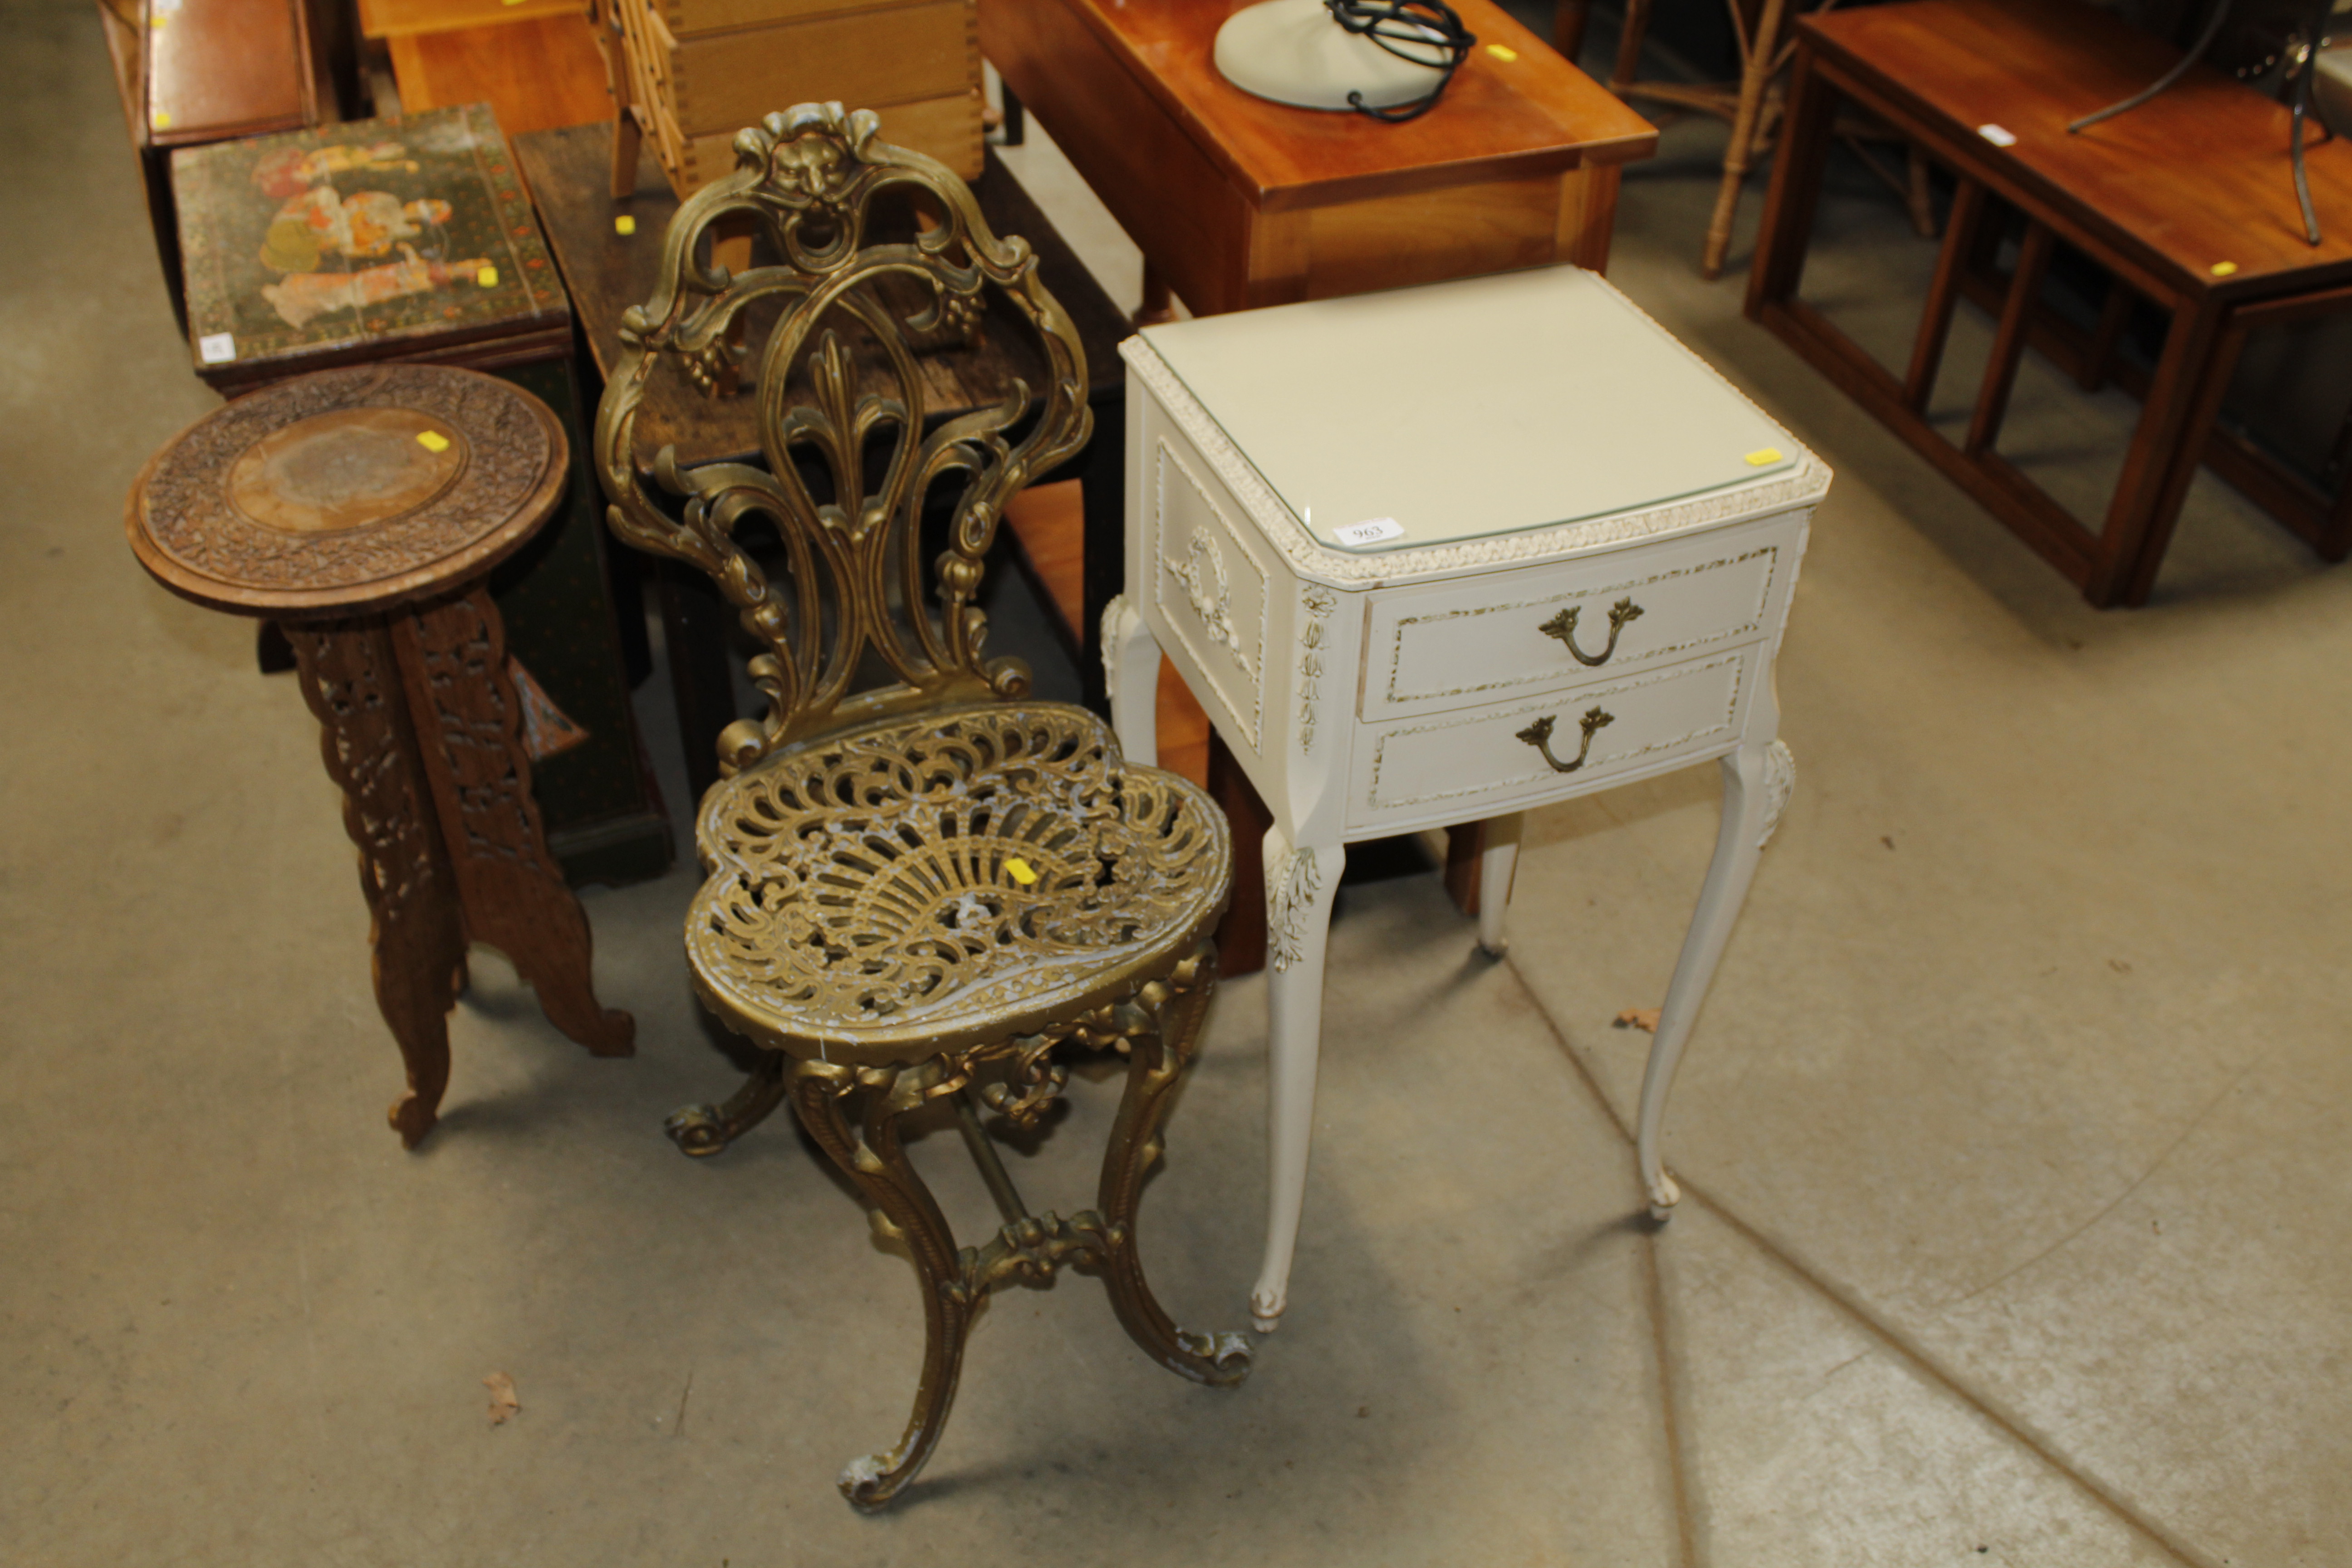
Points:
(1505, 756)
(1516, 634)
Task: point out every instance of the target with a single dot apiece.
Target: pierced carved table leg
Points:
(702, 1131)
(453, 659)
(351, 681)
(1156, 1060)
(869, 1154)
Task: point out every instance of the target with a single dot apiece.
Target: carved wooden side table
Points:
(362, 510)
(1564, 566)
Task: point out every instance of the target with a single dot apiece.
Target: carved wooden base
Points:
(853, 1114)
(419, 730)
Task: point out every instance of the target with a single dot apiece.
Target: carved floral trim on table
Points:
(188, 514)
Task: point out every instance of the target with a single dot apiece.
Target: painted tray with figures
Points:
(374, 239)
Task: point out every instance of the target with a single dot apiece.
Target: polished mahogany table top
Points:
(1521, 112)
(2195, 179)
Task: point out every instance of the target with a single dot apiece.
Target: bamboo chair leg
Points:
(1629, 45)
(1567, 22)
(1755, 74)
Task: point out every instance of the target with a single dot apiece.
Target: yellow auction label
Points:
(433, 440)
(1021, 872)
(1762, 455)
(488, 278)
(625, 224)
(1503, 51)
(2224, 269)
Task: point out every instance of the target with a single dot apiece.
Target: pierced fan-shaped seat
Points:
(921, 882)
(924, 884)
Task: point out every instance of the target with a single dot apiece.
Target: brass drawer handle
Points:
(1539, 735)
(1563, 626)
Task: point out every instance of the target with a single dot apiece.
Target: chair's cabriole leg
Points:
(869, 1154)
(705, 1130)
(1156, 1059)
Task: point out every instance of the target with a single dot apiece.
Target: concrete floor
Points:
(2016, 1137)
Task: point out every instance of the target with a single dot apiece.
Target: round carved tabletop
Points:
(348, 490)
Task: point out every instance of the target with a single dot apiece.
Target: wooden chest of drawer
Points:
(706, 68)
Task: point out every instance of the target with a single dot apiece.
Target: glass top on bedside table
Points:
(1461, 410)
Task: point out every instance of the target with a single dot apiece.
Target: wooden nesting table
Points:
(2186, 201)
(362, 510)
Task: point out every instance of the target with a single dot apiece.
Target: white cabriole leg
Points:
(1495, 867)
(1755, 783)
(1300, 886)
(1131, 675)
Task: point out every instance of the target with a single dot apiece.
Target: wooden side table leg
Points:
(1755, 783)
(1159, 301)
(2183, 398)
(351, 678)
(453, 662)
(1301, 882)
(873, 1159)
(1242, 938)
(1156, 1059)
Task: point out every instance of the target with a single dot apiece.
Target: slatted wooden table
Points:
(2186, 201)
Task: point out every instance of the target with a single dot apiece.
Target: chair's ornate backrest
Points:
(808, 181)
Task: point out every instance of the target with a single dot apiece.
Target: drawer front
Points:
(948, 128)
(1452, 767)
(1517, 633)
(717, 85)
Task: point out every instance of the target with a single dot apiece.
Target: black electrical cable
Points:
(1426, 26)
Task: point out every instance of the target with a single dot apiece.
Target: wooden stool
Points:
(362, 510)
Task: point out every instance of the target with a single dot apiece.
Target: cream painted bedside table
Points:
(1439, 555)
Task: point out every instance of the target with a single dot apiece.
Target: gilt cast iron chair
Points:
(917, 891)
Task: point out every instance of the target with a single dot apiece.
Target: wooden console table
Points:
(2186, 201)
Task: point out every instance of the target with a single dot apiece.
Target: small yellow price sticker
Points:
(163, 119)
(625, 224)
(1762, 455)
(433, 440)
(1503, 51)
(1020, 871)
(486, 278)
(2224, 269)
